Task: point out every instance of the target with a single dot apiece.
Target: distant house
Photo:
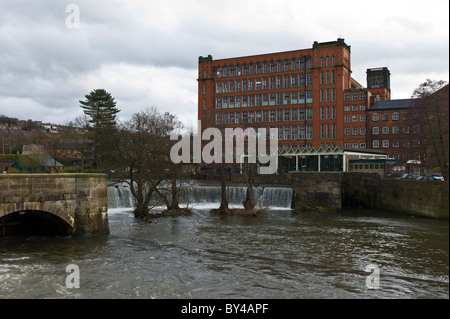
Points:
(38, 164)
(33, 149)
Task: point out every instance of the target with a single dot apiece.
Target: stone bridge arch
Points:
(80, 200)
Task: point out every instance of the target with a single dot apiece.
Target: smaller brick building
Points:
(390, 128)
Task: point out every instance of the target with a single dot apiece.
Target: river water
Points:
(283, 254)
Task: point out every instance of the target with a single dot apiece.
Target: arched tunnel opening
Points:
(34, 223)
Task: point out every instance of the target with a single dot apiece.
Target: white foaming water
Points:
(208, 197)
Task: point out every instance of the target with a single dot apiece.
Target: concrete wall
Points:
(333, 191)
(317, 191)
(78, 199)
(421, 198)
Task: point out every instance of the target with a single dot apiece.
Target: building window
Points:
(354, 118)
(395, 130)
(347, 119)
(347, 131)
(395, 116)
(279, 115)
(294, 114)
(375, 144)
(362, 118)
(301, 132)
(258, 117)
(264, 84)
(362, 131)
(286, 81)
(287, 132)
(272, 115)
(385, 117)
(287, 115)
(385, 130)
(375, 117)
(309, 132)
(251, 116)
(309, 79)
(406, 129)
(354, 107)
(301, 114)
(355, 131)
(363, 145)
(395, 143)
(309, 114)
(294, 132)
(347, 108)
(279, 80)
(362, 107)
(287, 98)
(375, 130)
(385, 143)
(347, 97)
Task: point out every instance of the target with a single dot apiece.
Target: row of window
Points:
(395, 143)
(266, 67)
(395, 130)
(355, 131)
(354, 107)
(355, 145)
(279, 82)
(354, 118)
(385, 117)
(272, 99)
(355, 96)
(286, 115)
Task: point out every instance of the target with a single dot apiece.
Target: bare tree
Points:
(430, 117)
(143, 152)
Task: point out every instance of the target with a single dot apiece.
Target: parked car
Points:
(434, 176)
(411, 176)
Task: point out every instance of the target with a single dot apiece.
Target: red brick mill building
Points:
(308, 94)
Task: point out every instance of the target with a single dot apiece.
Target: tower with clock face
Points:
(378, 83)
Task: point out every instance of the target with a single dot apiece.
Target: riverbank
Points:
(328, 191)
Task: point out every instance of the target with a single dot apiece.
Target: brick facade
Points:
(309, 95)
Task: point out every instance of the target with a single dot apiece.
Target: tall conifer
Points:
(101, 109)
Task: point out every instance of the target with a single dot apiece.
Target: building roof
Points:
(327, 150)
(392, 104)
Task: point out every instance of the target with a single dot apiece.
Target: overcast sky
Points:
(145, 52)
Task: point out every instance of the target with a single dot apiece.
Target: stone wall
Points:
(317, 191)
(416, 197)
(333, 191)
(78, 199)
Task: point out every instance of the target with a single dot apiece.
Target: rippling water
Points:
(282, 254)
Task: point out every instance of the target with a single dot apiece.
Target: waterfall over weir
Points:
(209, 196)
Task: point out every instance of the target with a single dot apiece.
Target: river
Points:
(283, 255)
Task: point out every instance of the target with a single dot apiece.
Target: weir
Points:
(120, 196)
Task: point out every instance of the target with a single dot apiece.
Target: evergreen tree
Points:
(101, 109)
